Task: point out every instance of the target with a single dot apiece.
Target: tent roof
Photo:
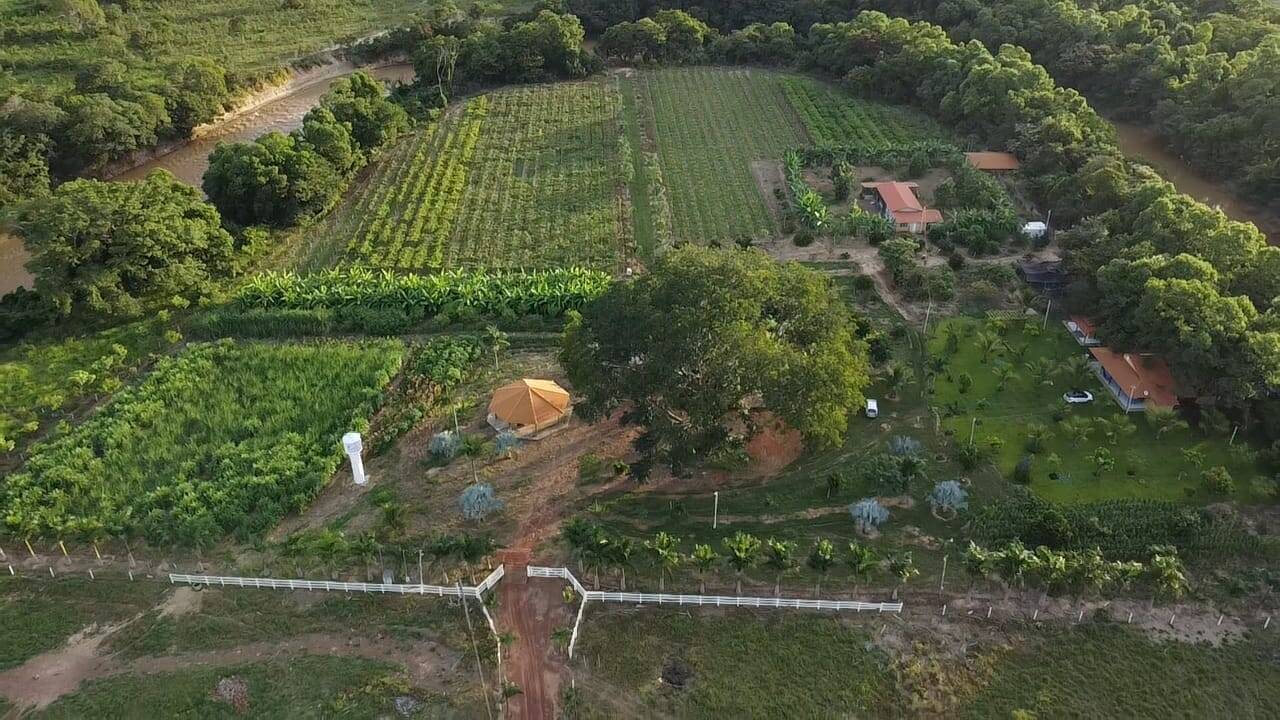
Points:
(529, 402)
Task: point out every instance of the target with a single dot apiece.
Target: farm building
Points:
(993, 162)
(1083, 330)
(527, 407)
(898, 203)
(1043, 275)
(1135, 379)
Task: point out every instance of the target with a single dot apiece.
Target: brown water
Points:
(189, 161)
(1143, 144)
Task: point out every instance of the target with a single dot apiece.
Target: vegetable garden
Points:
(527, 177)
(832, 117)
(225, 438)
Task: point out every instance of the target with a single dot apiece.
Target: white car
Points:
(873, 408)
(1077, 397)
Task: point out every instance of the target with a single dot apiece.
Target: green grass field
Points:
(525, 177)
(1107, 671)
(223, 438)
(740, 665)
(39, 615)
(309, 686)
(833, 117)
(1146, 466)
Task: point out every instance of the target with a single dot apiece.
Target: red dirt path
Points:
(533, 610)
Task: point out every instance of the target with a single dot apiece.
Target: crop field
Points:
(709, 126)
(527, 177)
(41, 378)
(249, 38)
(833, 117)
(225, 438)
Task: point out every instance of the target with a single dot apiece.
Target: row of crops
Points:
(526, 177)
(224, 439)
(549, 293)
(710, 126)
(404, 215)
(546, 182)
(834, 118)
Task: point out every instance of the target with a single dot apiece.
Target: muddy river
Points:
(1143, 144)
(189, 160)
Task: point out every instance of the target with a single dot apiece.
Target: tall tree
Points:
(685, 346)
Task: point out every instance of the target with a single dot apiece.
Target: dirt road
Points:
(533, 611)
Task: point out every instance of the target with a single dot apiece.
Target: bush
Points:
(949, 495)
(868, 514)
(445, 445)
(1022, 471)
(479, 501)
(970, 456)
(378, 320)
(1218, 481)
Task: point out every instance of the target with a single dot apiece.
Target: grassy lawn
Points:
(300, 687)
(1146, 466)
(223, 438)
(1105, 671)
(739, 665)
(39, 615)
(525, 177)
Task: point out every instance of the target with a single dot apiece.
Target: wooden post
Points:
(29, 549)
(64, 550)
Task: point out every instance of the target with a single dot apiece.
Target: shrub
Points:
(506, 442)
(970, 456)
(479, 501)
(949, 495)
(1218, 481)
(901, 445)
(445, 445)
(882, 471)
(868, 514)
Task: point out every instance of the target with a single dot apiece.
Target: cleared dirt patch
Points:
(770, 181)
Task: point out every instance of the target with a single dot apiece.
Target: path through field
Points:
(533, 610)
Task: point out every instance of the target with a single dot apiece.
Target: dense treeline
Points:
(281, 179)
(1205, 73)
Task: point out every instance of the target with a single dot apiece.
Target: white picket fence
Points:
(716, 600)
(476, 591)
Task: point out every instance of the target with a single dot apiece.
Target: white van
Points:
(873, 408)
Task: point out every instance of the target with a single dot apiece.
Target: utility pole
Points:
(715, 513)
(973, 427)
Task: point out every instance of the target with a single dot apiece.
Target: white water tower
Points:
(351, 443)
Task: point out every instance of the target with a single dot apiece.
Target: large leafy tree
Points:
(688, 346)
(108, 247)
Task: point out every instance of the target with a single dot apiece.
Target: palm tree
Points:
(596, 554)
(497, 342)
(911, 467)
(896, 376)
(394, 520)
(902, 566)
(781, 558)
(1004, 372)
(743, 551)
(1115, 429)
(862, 562)
(835, 483)
(329, 545)
(473, 446)
(366, 547)
(578, 534)
(987, 344)
(704, 557)
(665, 549)
(1077, 428)
(560, 638)
(1018, 352)
(1041, 370)
(1164, 420)
(1075, 370)
(620, 557)
(821, 558)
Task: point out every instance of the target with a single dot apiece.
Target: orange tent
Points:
(529, 402)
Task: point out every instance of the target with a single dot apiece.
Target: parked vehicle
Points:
(1077, 397)
(873, 408)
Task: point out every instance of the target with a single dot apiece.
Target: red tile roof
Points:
(1146, 375)
(992, 161)
(1085, 325)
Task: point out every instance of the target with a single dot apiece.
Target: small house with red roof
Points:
(1083, 330)
(897, 202)
(1135, 379)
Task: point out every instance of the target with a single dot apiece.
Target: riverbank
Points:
(1140, 143)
